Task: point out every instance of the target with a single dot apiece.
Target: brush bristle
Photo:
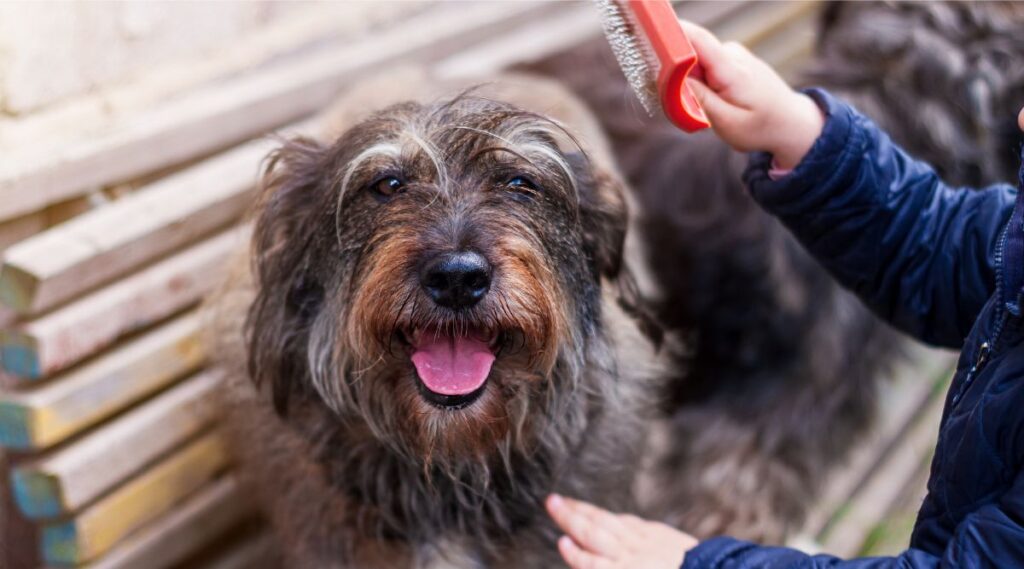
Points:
(633, 51)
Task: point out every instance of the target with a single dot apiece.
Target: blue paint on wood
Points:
(37, 496)
(60, 543)
(20, 361)
(14, 427)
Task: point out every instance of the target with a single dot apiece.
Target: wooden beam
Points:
(14, 230)
(67, 479)
(145, 498)
(110, 241)
(758, 21)
(257, 551)
(170, 540)
(234, 110)
(53, 342)
(888, 483)
(917, 383)
(557, 32)
(40, 418)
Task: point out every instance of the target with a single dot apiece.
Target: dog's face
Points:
(433, 276)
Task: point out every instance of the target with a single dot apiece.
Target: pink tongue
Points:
(452, 366)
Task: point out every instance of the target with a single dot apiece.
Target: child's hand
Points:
(750, 106)
(599, 539)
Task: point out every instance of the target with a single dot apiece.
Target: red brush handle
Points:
(677, 58)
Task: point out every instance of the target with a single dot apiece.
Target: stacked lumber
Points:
(109, 243)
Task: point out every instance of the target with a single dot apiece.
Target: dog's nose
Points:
(456, 280)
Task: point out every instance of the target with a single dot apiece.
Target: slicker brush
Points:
(656, 57)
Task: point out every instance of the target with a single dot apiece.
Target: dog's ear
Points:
(605, 220)
(603, 215)
(288, 295)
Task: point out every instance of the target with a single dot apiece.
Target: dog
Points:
(439, 332)
(459, 303)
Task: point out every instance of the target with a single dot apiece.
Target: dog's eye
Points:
(387, 186)
(522, 184)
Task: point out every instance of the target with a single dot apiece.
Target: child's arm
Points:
(920, 253)
(992, 536)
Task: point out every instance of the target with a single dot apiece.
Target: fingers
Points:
(594, 529)
(1020, 119)
(577, 558)
(710, 101)
(718, 63)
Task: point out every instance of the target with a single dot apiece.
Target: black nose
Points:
(456, 280)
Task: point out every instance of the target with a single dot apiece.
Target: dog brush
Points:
(656, 57)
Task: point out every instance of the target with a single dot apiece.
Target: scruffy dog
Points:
(440, 324)
(439, 333)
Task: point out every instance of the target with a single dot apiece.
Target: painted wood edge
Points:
(66, 480)
(19, 354)
(174, 537)
(37, 494)
(53, 342)
(100, 527)
(17, 287)
(35, 420)
(75, 257)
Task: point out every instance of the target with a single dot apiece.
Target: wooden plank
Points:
(14, 230)
(66, 480)
(40, 418)
(237, 109)
(143, 499)
(53, 342)
(254, 552)
(790, 46)
(760, 20)
(174, 537)
(914, 386)
(888, 483)
(556, 33)
(108, 242)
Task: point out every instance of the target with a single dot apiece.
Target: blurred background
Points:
(130, 139)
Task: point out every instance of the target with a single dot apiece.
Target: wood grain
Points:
(145, 498)
(234, 110)
(108, 242)
(39, 418)
(66, 480)
(50, 343)
(193, 525)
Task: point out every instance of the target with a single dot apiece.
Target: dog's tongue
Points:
(452, 365)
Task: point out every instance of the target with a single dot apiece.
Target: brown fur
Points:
(770, 368)
(354, 467)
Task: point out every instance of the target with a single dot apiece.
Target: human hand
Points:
(1020, 119)
(750, 106)
(599, 539)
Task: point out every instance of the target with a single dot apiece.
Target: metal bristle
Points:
(632, 50)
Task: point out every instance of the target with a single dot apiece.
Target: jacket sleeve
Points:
(990, 538)
(922, 255)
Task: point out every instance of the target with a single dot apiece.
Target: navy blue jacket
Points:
(945, 265)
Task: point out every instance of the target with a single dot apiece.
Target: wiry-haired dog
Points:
(440, 327)
(440, 334)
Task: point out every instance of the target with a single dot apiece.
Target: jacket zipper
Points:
(986, 348)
